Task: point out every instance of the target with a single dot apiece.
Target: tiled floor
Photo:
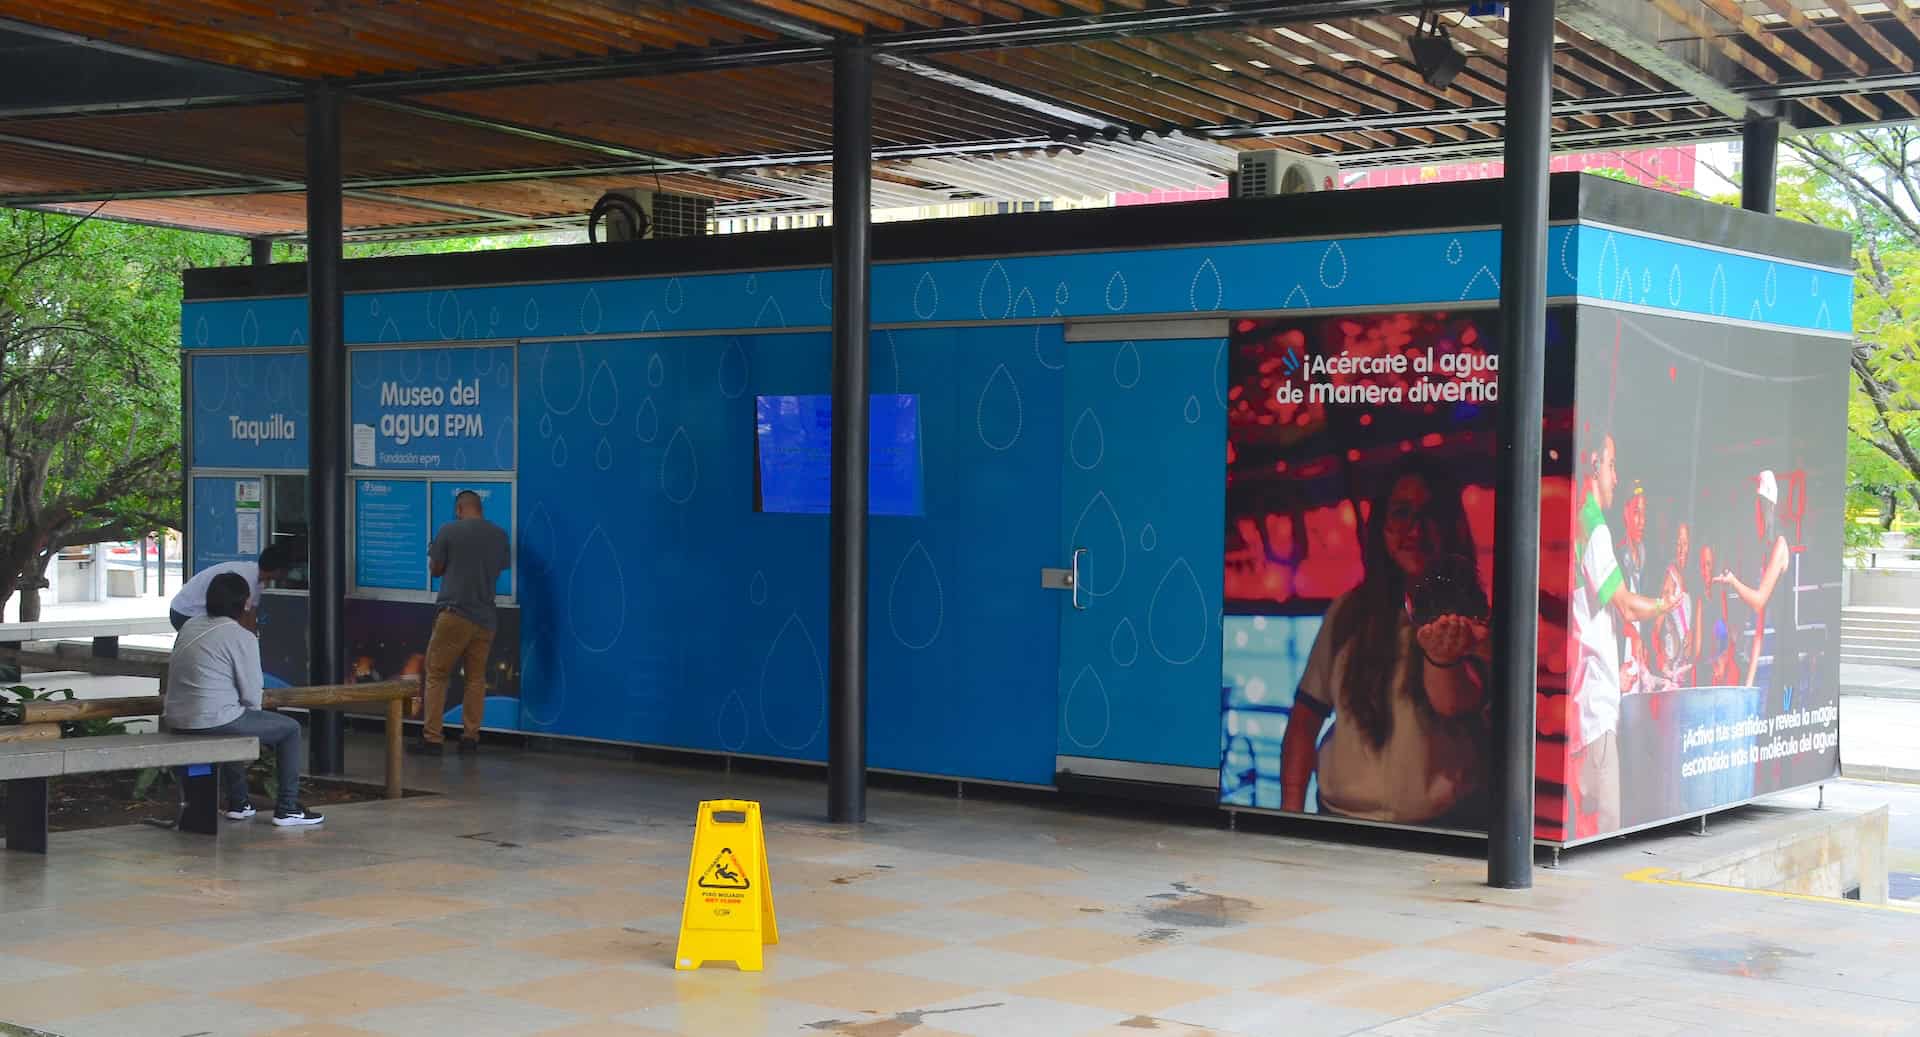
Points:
(541, 897)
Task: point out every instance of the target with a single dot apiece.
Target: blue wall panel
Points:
(1408, 269)
(660, 608)
(215, 532)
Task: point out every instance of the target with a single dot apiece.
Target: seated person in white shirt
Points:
(191, 600)
(214, 688)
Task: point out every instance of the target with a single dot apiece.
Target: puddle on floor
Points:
(1756, 960)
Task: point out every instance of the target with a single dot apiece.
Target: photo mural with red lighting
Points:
(1359, 556)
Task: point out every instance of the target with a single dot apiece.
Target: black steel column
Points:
(847, 523)
(262, 250)
(326, 430)
(1759, 156)
(1523, 322)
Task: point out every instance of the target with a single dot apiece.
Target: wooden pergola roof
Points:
(485, 115)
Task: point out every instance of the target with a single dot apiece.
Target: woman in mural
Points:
(1399, 664)
(1768, 597)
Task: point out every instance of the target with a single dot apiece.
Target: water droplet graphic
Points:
(1178, 617)
(546, 426)
(200, 331)
(926, 297)
(1124, 646)
(1126, 366)
(443, 365)
(597, 594)
(1297, 299)
(646, 422)
(1193, 410)
(733, 725)
(1771, 289)
(1674, 286)
(1333, 266)
(734, 372)
(590, 313)
(656, 371)
(675, 297)
(1087, 713)
(757, 590)
(1060, 294)
(559, 451)
(1207, 291)
(771, 315)
(530, 315)
(650, 324)
(996, 293)
(563, 377)
(1457, 252)
(1000, 414)
(1149, 537)
(794, 672)
(1220, 374)
(1117, 292)
(753, 283)
(1099, 532)
(1087, 445)
(249, 329)
(916, 602)
(603, 396)
(603, 455)
(679, 468)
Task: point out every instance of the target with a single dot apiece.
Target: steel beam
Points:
(847, 517)
(1630, 27)
(326, 429)
(1523, 355)
(1759, 158)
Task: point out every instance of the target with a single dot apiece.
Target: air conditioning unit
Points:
(661, 215)
(1263, 174)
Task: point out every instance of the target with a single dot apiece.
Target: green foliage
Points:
(71, 729)
(1867, 183)
(89, 383)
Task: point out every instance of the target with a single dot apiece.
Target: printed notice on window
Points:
(364, 455)
(247, 527)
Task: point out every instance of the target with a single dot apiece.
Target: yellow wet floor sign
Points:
(728, 912)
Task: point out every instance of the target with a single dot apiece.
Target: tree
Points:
(89, 385)
(1867, 182)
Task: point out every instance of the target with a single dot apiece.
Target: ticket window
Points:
(287, 524)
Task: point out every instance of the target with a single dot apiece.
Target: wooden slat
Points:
(1821, 38)
(1894, 55)
(1765, 38)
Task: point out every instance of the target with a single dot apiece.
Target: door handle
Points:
(1073, 577)
(1067, 579)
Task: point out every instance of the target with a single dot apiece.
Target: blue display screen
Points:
(390, 534)
(793, 442)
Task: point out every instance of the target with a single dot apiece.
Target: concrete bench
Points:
(26, 766)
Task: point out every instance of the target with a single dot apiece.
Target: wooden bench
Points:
(394, 694)
(26, 766)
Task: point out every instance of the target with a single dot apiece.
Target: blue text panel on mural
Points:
(496, 501)
(446, 409)
(794, 441)
(390, 534)
(218, 532)
(250, 410)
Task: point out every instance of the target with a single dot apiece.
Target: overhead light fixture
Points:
(1434, 55)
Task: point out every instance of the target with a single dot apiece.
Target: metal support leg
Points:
(26, 823)
(327, 434)
(1822, 804)
(847, 519)
(200, 799)
(1702, 828)
(1523, 322)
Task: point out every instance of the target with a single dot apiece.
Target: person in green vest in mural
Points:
(467, 557)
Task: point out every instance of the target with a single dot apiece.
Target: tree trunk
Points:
(32, 580)
(1892, 509)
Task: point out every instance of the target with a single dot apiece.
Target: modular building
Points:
(1198, 496)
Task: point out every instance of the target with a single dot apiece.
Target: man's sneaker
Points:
(298, 817)
(426, 748)
(241, 813)
(469, 746)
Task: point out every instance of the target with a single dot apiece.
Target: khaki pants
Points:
(1599, 768)
(456, 639)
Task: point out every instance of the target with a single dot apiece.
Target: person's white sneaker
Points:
(298, 817)
(241, 813)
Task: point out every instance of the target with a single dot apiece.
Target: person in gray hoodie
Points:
(214, 687)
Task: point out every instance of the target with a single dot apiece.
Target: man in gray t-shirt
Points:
(468, 555)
